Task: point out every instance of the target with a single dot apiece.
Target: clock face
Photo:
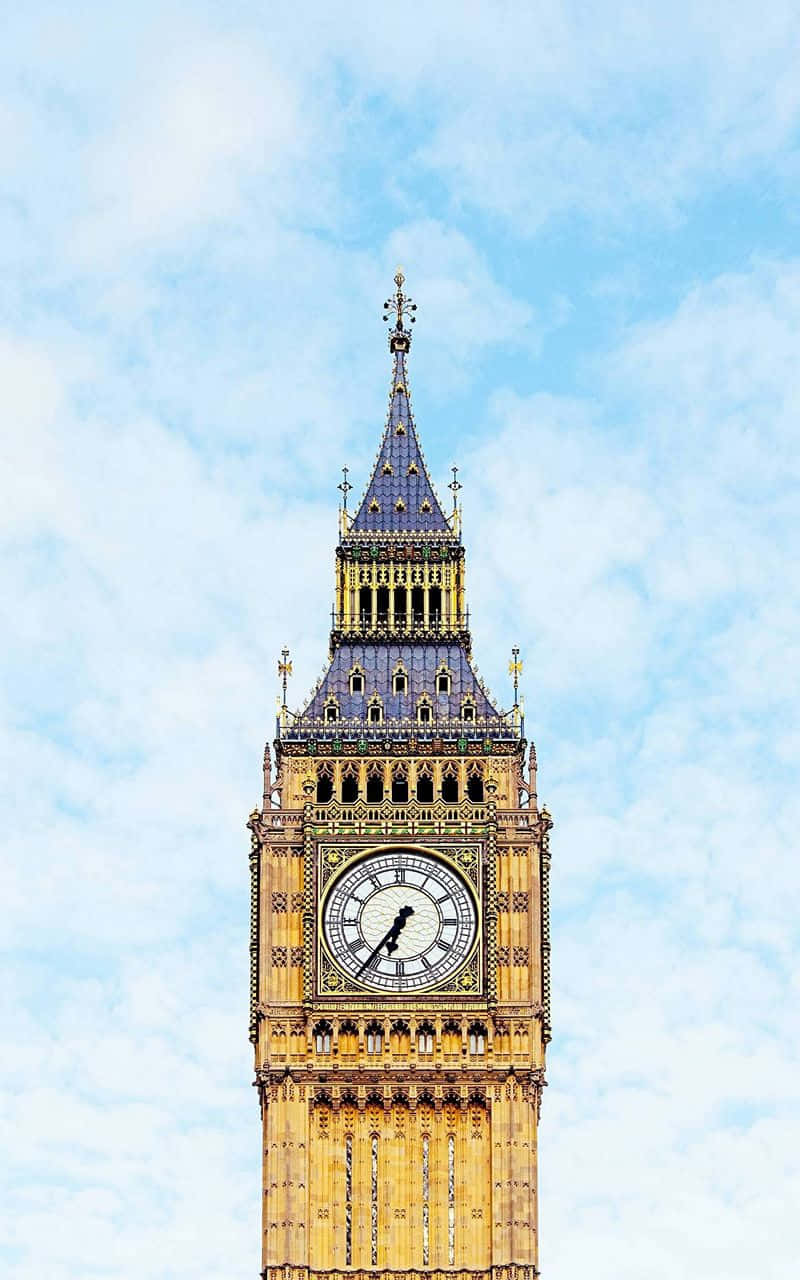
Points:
(399, 921)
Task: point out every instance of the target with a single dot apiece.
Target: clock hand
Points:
(390, 937)
(399, 923)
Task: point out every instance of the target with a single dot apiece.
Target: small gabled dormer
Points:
(444, 679)
(400, 679)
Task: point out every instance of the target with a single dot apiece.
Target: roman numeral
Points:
(358, 944)
(400, 875)
(450, 920)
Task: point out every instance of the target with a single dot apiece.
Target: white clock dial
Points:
(399, 920)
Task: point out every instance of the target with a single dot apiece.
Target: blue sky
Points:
(201, 209)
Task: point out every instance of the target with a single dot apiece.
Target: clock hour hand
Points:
(389, 940)
(399, 923)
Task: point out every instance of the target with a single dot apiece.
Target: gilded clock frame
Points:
(464, 858)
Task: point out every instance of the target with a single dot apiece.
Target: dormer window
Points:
(375, 710)
(399, 505)
(468, 711)
(413, 469)
(425, 507)
(443, 680)
(399, 682)
(330, 710)
(424, 713)
(387, 469)
(399, 429)
(356, 680)
(375, 506)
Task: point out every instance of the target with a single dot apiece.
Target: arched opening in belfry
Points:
(418, 605)
(383, 606)
(425, 784)
(450, 784)
(400, 607)
(324, 784)
(435, 605)
(375, 784)
(475, 785)
(400, 784)
(365, 606)
(349, 784)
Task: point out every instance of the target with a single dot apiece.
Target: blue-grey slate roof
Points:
(400, 451)
(421, 661)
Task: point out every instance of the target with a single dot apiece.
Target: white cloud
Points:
(651, 563)
(207, 120)
(183, 374)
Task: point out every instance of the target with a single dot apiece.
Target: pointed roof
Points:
(400, 497)
(421, 664)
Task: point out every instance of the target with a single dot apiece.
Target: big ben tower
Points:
(399, 936)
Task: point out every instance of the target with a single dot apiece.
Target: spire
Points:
(400, 496)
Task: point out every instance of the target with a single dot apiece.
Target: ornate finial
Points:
(514, 669)
(345, 486)
(284, 671)
(455, 485)
(399, 306)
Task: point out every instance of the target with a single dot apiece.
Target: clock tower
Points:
(399, 945)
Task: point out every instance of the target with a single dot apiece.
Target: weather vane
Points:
(514, 669)
(284, 671)
(400, 305)
(345, 486)
(455, 485)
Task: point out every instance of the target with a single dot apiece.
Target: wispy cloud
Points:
(198, 217)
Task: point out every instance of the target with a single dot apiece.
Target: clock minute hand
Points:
(389, 940)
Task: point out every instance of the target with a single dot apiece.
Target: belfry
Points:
(399, 945)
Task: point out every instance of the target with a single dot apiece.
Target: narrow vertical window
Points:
(375, 1200)
(426, 1188)
(348, 1200)
(451, 1199)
